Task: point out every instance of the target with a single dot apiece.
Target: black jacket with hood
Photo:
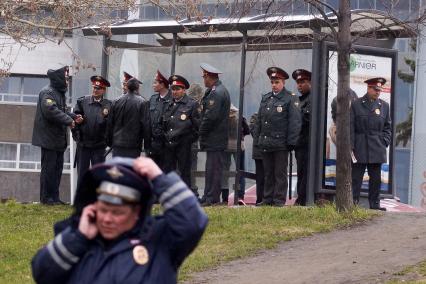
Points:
(51, 119)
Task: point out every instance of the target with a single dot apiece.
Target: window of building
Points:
(21, 88)
(25, 157)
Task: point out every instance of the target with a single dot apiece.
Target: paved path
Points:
(368, 253)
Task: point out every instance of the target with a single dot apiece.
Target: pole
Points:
(173, 62)
(240, 116)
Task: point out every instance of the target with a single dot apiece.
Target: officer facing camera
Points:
(112, 238)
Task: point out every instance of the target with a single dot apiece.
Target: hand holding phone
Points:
(87, 225)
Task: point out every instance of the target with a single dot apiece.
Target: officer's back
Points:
(129, 119)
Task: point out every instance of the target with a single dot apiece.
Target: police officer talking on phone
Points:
(111, 236)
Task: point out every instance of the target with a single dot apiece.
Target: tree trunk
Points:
(343, 143)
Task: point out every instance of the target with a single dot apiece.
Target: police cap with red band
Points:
(276, 73)
(100, 81)
(376, 83)
(161, 79)
(177, 80)
(301, 74)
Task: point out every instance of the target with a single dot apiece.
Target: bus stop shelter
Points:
(261, 33)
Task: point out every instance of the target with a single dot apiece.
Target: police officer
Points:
(50, 133)
(128, 123)
(213, 131)
(371, 134)
(278, 128)
(157, 103)
(303, 81)
(112, 238)
(127, 77)
(90, 130)
(181, 121)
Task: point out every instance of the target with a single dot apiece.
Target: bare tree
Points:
(31, 22)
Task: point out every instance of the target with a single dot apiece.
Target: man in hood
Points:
(111, 237)
(50, 133)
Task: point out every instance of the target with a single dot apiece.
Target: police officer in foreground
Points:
(213, 131)
(303, 81)
(89, 132)
(128, 123)
(127, 77)
(371, 134)
(50, 133)
(157, 102)
(278, 128)
(181, 121)
(111, 236)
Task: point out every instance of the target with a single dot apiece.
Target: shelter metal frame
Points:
(262, 32)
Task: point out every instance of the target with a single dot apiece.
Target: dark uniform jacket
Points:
(156, 110)
(371, 130)
(279, 121)
(168, 239)
(181, 121)
(92, 132)
(256, 153)
(128, 122)
(215, 118)
(52, 118)
(305, 110)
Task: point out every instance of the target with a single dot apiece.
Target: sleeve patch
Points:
(50, 102)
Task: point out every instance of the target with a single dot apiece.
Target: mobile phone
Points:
(92, 219)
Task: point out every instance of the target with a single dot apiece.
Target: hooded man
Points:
(111, 236)
(50, 133)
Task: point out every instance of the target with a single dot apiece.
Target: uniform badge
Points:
(105, 111)
(296, 104)
(140, 255)
(279, 108)
(183, 117)
(114, 173)
(377, 111)
(211, 102)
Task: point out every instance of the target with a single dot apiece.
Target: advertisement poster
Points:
(362, 67)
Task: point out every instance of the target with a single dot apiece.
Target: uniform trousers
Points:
(301, 154)
(88, 156)
(260, 180)
(126, 152)
(374, 173)
(276, 177)
(52, 163)
(178, 158)
(214, 169)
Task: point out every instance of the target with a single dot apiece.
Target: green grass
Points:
(414, 274)
(232, 233)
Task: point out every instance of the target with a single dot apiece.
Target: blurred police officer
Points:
(213, 131)
(303, 81)
(157, 103)
(50, 133)
(278, 126)
(128, 123)
(91, 128)
(181, 121)
(127, 77)
(371, 134)
(111, 236)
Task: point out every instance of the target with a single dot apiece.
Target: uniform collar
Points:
(92, 100)
(183, 100)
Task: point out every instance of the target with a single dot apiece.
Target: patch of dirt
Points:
(368, 253)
